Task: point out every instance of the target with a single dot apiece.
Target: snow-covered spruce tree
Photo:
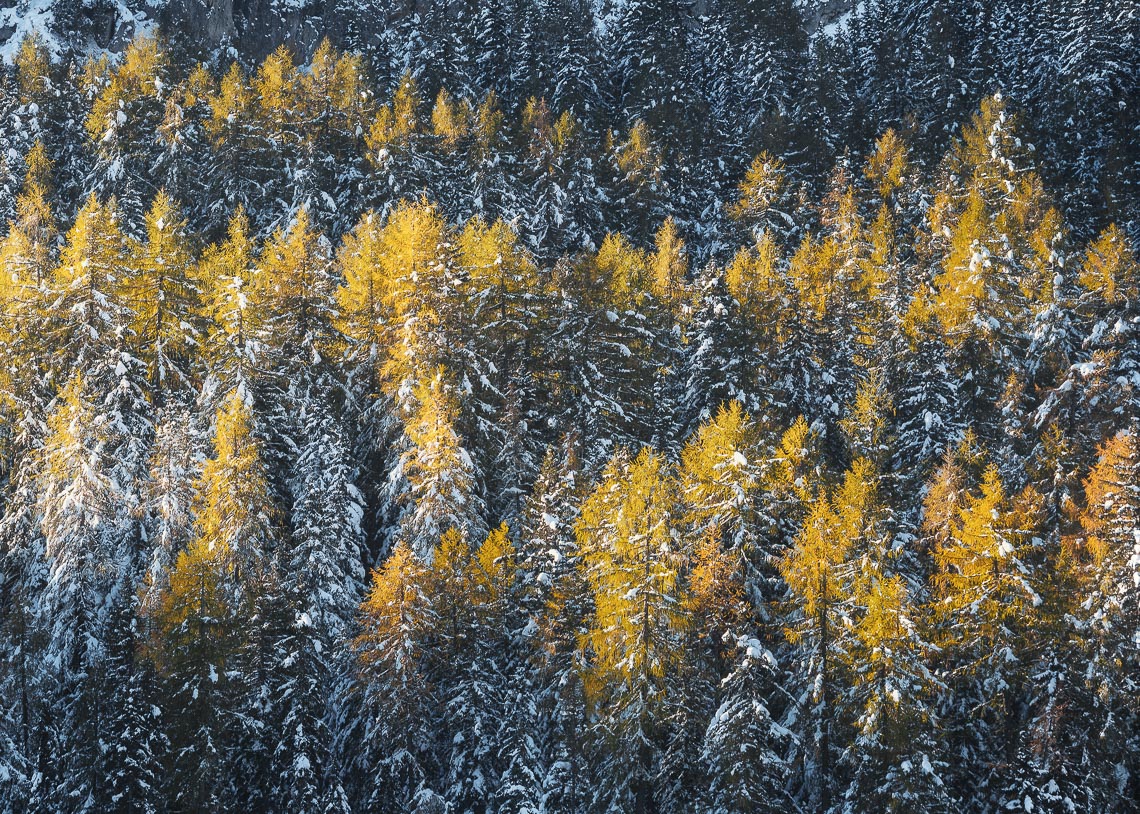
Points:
(238, 160)
(500, 325)
(175, 464)
(560, 210)
(88, 492)
(25, 731)
(552, 589)
(745, 746)
(321, 574)
(443, 492)
(649, 54)
(184, 146)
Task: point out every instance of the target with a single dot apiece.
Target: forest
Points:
(559, 408)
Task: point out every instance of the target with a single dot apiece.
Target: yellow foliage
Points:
(668, 266)
(868, 419)
(818, 568)
(492, 259)
(795, 459)
(161, 290)
(814, 272)
(537, 126)
(981, 582)
(226, 273)
(391, 615)
(450, 120)
(275, 86)
(566, 131)
(889, 165)
(487, 124)
(1112, 496)
(395, 123)
(335, 91)
(33, 68)
(95, 249)
(496, 566)
(624, 270)
(25, 253)
(810, 568)
(138, 76)
(721, 472)
(637, 157)
(232, 103)
(415, 257)
(293, 282)
(361, 310)
(761, 188)
(233, 512)
(1110, 269)
(715, 598)
(193, 622)
(626, 536)
(754, 279)
(198, 87)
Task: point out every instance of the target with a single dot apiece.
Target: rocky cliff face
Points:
(250, 28)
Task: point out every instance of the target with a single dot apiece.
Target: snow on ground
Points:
(25, 18)
(28, 17)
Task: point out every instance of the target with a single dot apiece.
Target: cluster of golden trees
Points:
(859, 503)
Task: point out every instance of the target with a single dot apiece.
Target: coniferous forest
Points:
(570, 407)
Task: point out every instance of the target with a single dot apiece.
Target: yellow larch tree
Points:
(416, 269)
(627, 533)
(138, 77)
(396, 622)
(985, 594)
(163, 297)
(336, 99)
(1110, 272)
(395, 123)
(724, 466)
(225, 276)
(363, 313)
(27, 255)
(980, 224)
(450, 120)
(1111, 524)
(276, 93)
(760, 193)
(234, 512)
(32, 62)
(90, 316)
(293, 295)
